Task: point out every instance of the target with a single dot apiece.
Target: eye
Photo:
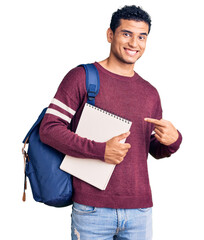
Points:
(142, 37)
(126, 34)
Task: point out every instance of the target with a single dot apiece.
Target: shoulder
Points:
(147, 87)
(74, 79)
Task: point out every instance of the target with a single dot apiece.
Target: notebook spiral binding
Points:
(110, 114)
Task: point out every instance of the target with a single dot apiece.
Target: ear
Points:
(109, 35)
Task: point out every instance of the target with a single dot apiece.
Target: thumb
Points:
(122, 136)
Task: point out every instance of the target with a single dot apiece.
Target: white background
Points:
(41, 41)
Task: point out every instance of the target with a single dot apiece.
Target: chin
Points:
(129, 61)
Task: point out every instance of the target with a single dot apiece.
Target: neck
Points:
(117, 67)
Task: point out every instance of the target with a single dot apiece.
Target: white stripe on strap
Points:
(58, 114)
(62, 105)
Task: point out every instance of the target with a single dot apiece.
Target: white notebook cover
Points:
(100, 126)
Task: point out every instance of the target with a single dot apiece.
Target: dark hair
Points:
(129, 13)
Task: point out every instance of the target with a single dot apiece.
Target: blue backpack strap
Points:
(92, 82)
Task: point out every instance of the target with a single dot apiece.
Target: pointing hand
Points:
(165, 132)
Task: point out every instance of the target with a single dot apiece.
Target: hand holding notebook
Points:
(115, 151)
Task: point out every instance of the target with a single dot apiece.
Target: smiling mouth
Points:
(131, 52)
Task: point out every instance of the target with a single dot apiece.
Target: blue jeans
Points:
(92, 223)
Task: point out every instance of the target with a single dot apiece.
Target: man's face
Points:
(129, 40)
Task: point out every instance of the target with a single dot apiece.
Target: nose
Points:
(133, 42)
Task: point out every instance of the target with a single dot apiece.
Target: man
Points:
(123, 210)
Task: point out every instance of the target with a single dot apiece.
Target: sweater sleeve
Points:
(157, 149)
(55, 127)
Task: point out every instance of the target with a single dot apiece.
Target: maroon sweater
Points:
(129, 97)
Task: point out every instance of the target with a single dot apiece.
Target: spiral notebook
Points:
(100, 126)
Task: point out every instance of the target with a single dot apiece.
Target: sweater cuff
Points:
(99, 148)
(175, 146)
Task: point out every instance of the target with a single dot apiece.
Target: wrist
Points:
(176, 144)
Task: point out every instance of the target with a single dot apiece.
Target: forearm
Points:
(56, 134)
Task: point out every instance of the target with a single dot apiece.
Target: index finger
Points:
(155, 121)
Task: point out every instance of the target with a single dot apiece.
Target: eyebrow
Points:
(127, 31)
(143, 34)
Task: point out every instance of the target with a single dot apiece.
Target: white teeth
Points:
(131, 52)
